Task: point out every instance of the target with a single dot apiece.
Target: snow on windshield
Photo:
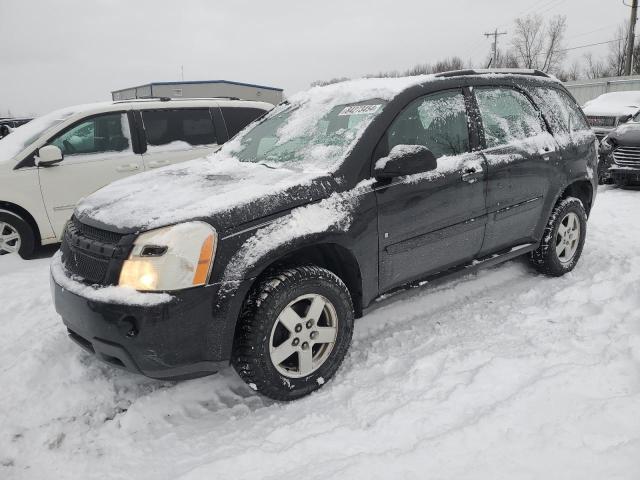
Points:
(25, 135)
(318, 128)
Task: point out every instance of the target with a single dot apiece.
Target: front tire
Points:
(563, 239)
(294, 332)
(16, 235)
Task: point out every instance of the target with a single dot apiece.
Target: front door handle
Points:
(128, 167)
(471, 175)
(547, 153)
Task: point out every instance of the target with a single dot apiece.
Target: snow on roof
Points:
(614, 104)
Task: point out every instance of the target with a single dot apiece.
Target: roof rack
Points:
(171, 99)
(487, 71)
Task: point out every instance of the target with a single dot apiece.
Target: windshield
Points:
(291, 137)
(25, 135)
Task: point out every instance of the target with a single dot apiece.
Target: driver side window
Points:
(100, 134)
(437, 121)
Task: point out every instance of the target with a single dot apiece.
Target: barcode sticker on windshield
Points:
(360, 109)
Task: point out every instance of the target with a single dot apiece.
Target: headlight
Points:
(171, 258)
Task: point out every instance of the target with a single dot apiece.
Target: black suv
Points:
(263, 254)
(620, 155)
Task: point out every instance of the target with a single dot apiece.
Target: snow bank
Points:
(113, 294)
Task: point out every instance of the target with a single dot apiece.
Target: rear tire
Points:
(16, 235)
(563, 239)
(294, 332)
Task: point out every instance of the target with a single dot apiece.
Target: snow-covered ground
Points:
(503, 374)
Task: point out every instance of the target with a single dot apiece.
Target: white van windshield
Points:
(25, 135)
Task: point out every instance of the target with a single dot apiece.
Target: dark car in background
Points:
(263, 254)
(620, 155)
(8, 124)
(610, 110)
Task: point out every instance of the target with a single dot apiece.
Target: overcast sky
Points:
(64, 52)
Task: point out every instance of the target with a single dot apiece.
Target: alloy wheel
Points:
(303, 336)
(10, 240)
(568, 237)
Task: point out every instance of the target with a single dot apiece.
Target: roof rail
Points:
(487, 71)
(171, 99)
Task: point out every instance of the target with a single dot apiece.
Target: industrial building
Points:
(201, 89)
(585, 90)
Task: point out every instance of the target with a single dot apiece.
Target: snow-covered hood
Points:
(626, 135)
(221, 189)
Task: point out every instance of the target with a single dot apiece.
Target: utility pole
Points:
(632, 36)
(495, 36)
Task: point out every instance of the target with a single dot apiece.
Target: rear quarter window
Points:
(507, 115)
(236, 118)
(560, 110)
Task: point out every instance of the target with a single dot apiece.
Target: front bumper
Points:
(624, 175)
(188, 337)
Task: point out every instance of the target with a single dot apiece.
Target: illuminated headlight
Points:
(171, 258)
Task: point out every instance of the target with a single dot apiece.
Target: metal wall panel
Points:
(585, 90)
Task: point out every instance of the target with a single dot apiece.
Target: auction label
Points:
(360, 109)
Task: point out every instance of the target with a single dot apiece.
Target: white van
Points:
(49, 164)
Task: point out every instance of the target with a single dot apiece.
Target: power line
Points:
(595, 30)
(585, 46)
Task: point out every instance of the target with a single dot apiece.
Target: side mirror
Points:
(405, 160)
(48, 156)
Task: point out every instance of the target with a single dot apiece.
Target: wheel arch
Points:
(333, 256)
(582, 190)
(25, 215)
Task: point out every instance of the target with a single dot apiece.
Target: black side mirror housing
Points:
(405, 160)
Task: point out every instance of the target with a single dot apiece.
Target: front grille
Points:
(88, 252)
(94, 233)
(627, 156)
(599, 121)
(90, 268)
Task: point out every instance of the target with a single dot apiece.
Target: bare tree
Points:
(595, 68)
(322, 83)
(617, 51)
(539, 45)
(504, 59)
(574, 70)
(448, 64)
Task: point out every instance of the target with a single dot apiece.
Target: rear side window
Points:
(507, 115)
(560, 110)
(184, 127)
(437, 121)
(236, 118)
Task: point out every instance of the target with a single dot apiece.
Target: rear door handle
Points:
(158, 163)
(128, 167)
(471, 175)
